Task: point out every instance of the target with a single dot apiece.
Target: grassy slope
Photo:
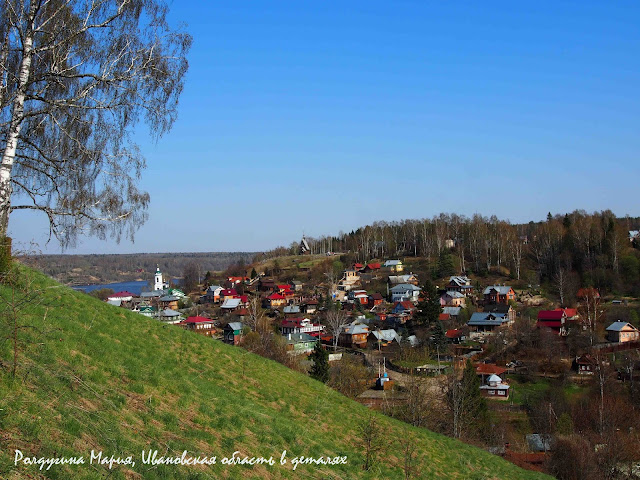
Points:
(116, 381)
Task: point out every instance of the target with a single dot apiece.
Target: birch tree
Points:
(76, 78)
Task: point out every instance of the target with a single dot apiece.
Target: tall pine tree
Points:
(429, 308)
(320, 368)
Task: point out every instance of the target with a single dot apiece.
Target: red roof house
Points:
(553, 319)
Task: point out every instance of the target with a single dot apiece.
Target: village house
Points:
(349, 279)
(499, 294)
(201, 325)
(231, 304)
(553, 319)
(266, 284)
(291, 310)
(296, 285)
(310, 306)
(275, 300)
(403, 307)
(358, 296)
(169, 316)
(232, 333)
(398, 279)
(237, 280)
(621, 332)
(301, 325)
(487, 322)
(452, 298)
(455, 336)
(585, 364)
(300, 343)
(212, 295)
(394, 265)
(169, 302)
(371, 268)
(459, 283)
(405, 291)
(354, 336)
(122, 296)
(495, 389)
(375, 300)
(383, 338)
(453, 312)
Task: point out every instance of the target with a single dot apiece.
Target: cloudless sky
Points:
(318, 117)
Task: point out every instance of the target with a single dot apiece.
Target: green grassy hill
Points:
(97, 377)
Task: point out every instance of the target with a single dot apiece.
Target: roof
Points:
(454, 294)
(571, 312)
(154, 293)
(400, 278)
(618, 326)
(122, 294)
(403, 287)
(355, 329)
(377, 296)
(501, 289)
(549, 323)
(275, 296)
(169, 313)
(444, 316)
(197, 320)
(300, 338)
(392, 263)
(388, 335)
(453, 311)
(487, 319)
(585, 292)
(460, 280)
(230, 303)
(551, 315)
(235, 325)
(116, 302)
(405, 305)
(228, 292)
(169, 298)
(454, 333)
(373, 266)
(213, 288)
(292, 309)
(489, 369)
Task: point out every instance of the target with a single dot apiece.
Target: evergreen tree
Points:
(320, 368)
(439, 337)
(429, 308)
(445, 264)
(254, 274)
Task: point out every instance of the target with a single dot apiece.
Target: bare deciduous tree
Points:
(76, 77)
(335, 319)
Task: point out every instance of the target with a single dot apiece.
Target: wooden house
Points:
(300, 343)
(621, 332)
(354, 336)
(585, 364)
(494, 388)
(201, 325)
(499, 294)
(232, 333)
(553, 319)
(169, 302)
(394, 265)
(451, 298)
(460, 283)
(275, 300)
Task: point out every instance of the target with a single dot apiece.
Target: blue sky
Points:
(325, 116)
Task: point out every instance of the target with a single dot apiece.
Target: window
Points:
(491, 392)
(501, 392)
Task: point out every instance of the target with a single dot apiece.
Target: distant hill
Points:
(92, 376)
(88, 269)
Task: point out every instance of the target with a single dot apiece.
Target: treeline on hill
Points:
(87, 269)
(565, 251)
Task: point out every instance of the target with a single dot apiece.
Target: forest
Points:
(566, 251)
